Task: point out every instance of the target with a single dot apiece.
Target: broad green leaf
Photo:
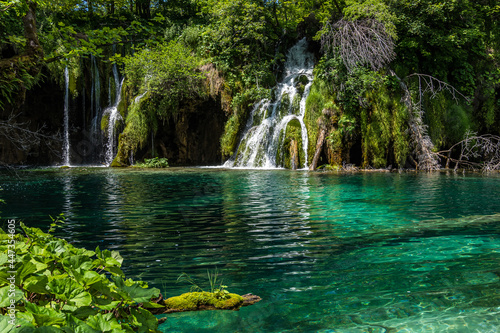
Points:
(56, 247)
(69, 290)
(36, 284)
(135, 291)
(5, 327)
(80, 299)
(91, 277)
(146, 319)
(114, 270)
(84, 328)
(106, 303)
(6, 295)
(48, 329)
(77, 263)
(45, 316)
(39, 266)
(103, 323)
(151, 305)
(84, 312)
(23, 270)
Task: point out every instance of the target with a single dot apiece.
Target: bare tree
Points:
(360, 42)
(423, 148)
(476, 152)
(23, 138)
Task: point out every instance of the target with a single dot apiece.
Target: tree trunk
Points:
(294, 154)
(33, 48)
(319, 147)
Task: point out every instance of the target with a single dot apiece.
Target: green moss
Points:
(447, 120)
(126, 100)
(229, 139)
(197, 300)
(303, 80)
(319, 98)
(105, 122)
(384, 130)
(121, 158)
(296, 104)
(284, 105)
(292, 134)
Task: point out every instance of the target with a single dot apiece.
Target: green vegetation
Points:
(155, 162)
(201, 300)
(182, 53)
(198, 299)
(63, 288)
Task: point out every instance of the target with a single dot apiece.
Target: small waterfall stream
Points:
(66, 118)
(95, 103)
(113, 116)
(266, 128)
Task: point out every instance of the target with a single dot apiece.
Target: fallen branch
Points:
(476, 152)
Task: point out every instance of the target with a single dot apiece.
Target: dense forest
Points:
(401, 84)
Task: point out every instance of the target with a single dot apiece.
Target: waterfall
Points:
(95, 100)
(66, 117)
(113, 116)
(266, 128)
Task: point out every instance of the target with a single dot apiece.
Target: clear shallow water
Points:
(370, 252)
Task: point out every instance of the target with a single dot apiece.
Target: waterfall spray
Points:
(114, 116)
(268, 120)
(66, 117)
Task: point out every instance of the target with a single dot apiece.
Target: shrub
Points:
(153, 163)
(69, 289)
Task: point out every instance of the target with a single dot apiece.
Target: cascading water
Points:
(95, 100)
(113, 116)
(66, 118)
(266, 127)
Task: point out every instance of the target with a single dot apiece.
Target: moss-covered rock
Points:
(203, 300)
(291, 153)
(284, 105)
(105, 122)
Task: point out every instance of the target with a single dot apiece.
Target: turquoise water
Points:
(371, 252)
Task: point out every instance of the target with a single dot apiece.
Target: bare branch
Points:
(476, 152)
(19, 134)
(423, 148)
(430, 85)
(360, 42)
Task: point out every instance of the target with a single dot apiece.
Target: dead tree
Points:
(423, 148)
(476, 152)
(359, 42)
(23, 137)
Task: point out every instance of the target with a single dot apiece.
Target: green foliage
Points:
(376, 9)
(383, 129)
(66, 289)
(155, 162)
(218, 297)
(169, 73)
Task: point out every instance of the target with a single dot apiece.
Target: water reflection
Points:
(325, 251)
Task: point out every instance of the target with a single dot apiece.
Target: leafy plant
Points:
(56, 222)
(155, 162)
(217, 290)
(70, 289)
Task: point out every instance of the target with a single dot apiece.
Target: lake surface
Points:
(368, 252)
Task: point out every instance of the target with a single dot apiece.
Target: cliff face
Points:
(192, 137)
(188, 138)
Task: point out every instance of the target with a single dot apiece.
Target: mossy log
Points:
(199, 301)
